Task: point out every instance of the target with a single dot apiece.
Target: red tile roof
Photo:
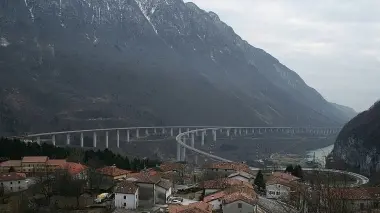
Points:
(112, 171)
(126, 187)
(231, 190)
(230, 166)
(75, 168)
(10, 163)
(224, 183)
(34, 159)
(239, 196)
(170, 166)
(57, 162)
(147, 177)
(198, 207)
(12, 176)
(215, 196)
(284, 176)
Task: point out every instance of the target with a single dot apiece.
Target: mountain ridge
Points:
(83, 64)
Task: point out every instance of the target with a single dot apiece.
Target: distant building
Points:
(13, 182)
(77, 170)
(239, 202)
(242, 176)
(228, 167)
(113, 173)
(280, 185)
(126, 195)
(163, 191)
(31, 165)
(198, 207)
(147, 183)
(212, 186)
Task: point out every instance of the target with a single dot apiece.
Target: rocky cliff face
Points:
(358, 144)
(90, 63)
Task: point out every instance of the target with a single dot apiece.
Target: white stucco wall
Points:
(240, 178)
(277, 191)
(215, 204)
(14, 186)
(234, 207)
(127, 201)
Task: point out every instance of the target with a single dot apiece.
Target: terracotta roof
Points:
(239, 196)
(369, 193)
(34, 159)
(241, 173)
(57, 162)
(277, 180)
(230, 166)
(165, 184)
(12, 176)
(170, 166)
(285, 176)
(224, 183)
(143, 177)
(75, 168)
(9, 163)
(215, 196)
(126, 187)
(112, 171)
(198, 207)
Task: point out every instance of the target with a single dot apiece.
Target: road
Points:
(274, 206)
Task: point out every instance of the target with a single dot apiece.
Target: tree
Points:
(11, 169)
(289, 169)
(297, 171)
(259, 181)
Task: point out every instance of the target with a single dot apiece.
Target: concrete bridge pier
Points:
(68, 139)
(239, 132)
(107, 139)
(178, 152)
(53, 139)
(171, 132)
(228, 132)
(214, 134)
(94, 139)
(179, 130)
(81, 140)
(235, 132)
(39, 140)
(192, 140)
(188, 129)
(163, 131)
(203, 138)
(155, 131)
(146, 132)
(137, 133)
(118, 138)
(183, 155)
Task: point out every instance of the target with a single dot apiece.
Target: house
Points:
(113, 173)
(147, 186)
(364, 199)
(216, 199)
(34, 164)
(163, 191)
(279, 188)
(212, 186)
(242, 176)
(285, 176)
(126, 195)
(239, 202)
(6, 165)
(198, 207)
(172, 167)
(55, 164)
(77, 170)
(13, 182)
(228, 167)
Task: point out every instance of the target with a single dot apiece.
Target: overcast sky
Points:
(334, 45)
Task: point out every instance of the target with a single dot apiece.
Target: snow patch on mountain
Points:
(4, 42)
(145, 11)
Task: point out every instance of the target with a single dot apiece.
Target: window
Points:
(11, 188)
(277, 193)
(240, 205)
(11, 182)
(19, 182)
(125, 204)
(361, 206)
(125, 197)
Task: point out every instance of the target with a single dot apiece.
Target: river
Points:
(320, 154)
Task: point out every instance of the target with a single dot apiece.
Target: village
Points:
(38, 182)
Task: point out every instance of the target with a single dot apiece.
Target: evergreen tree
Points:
(259, 181)
(297, 171)
(289, 169)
